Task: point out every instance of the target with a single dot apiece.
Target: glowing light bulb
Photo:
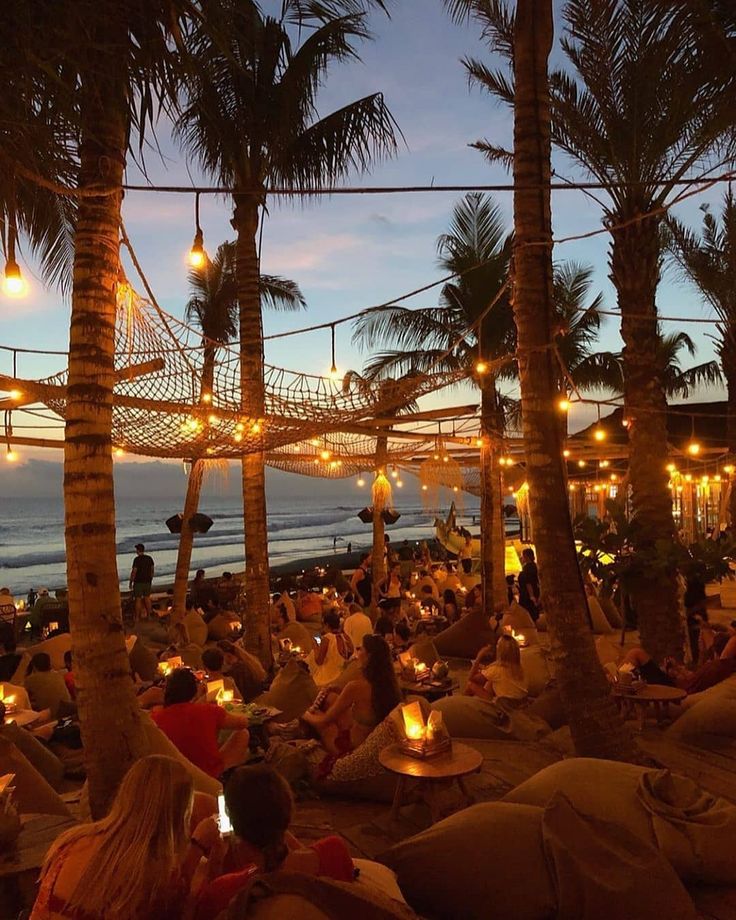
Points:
(688, 477)
(394, 473)
(481, 367)
(445, 459)
(15, 395)
(399, 484)
(256, 428)
(192, 424)
(361, 482)
(237, 437)
(314, 442)
(728, 468)
(509, 461)
(705, 480)
(325, 454)
(604, 463)
(206, 397)
(693, 448)
(502, 461)
(334, 373)
(119, 452)
(614, 477)
(455, 489)
(10, 455)
(599, 434)
(13, 283)
(581, 463)
(479, 442)
(671, 468)
(435, 456)
(197, 256)
(240, 427)
(566, 453)
(213, 419)
(716, 478)
(571, 487)
(563, 405)
(424, 488)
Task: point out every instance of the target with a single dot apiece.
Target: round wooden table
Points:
(426, 775)
(655, 697)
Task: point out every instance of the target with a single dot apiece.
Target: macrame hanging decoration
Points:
(381, 494)
(440, 471)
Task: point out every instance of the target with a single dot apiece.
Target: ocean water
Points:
(32, 535)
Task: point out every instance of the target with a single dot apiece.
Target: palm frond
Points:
(281, 293)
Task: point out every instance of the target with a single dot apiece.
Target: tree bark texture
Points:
(597, 728)
(635, 257)
(728, 363)
(378, 559)
(257, 588)
(492, 533)
(186, 538)
(109, 713)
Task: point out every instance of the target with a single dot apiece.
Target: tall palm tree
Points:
(708, 261)
(447, 338)
(250, 118)
(213, 308)
(644, 104)
(597, 729)
(101, 71)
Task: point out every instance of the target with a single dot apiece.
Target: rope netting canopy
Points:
(178, 395)
(339, 455)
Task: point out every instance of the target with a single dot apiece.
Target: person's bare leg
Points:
(235, 750)
(139, 608)
(148, 604)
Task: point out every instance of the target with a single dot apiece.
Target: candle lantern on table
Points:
(7, 700)
(423, 739)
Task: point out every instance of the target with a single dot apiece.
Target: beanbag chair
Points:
(350, 672)
(494, 720)
(723, 691)
(485, 861)
(158, 743)
(710, 724)
(465, 638)
(690, 827)
(610, 610)
(536, 669)
(196, 628)
(519, 619)
(548, 706)
(55, 648)
(293, 691)
(603, 871)
(32, 795)
(36, 753)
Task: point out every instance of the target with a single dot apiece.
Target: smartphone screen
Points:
(223, 820)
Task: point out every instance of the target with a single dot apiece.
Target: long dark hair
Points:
(259, 803)
(379, 672)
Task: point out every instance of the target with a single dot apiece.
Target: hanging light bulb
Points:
(361, 481)
(14, 284)
(479, 442)
(728, 469)
(334, 373)
(481, 367)
(213, 419)
(671, 468)
(256, 428)
(603, 464)
(600, 434)
(206, 397)
(399, 483)
(581, 463)
(197, 255)
(425, 487)
(693, 448)
(15, 395)
(394, 473)
(614, 477)
(10, 454)
(237, 437)
(563, 404)
(565, 453)
(455, 489)
(502, 461)
(325, 454)
(119, 452)
(571, 487)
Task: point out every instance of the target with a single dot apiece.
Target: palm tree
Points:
(213, 308)
(99, 73)
(709, 262)
(250, 118)
(446, 339)
(477, 248)
(597, 729)
(645, 104)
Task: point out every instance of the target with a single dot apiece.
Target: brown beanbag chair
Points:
(536, 669)
(293, 691)
(485, 861)
(548, 706)
(350, 672)
(32, 795)
(36, 753)
(496, 720)
(426, 651)
(671, 813)
(465, 638)
(55, 648)
(159, 743)
(711, 724)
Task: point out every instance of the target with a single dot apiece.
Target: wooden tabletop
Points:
(653, 693)
(22, 717)
(459, 761)
(426, 686)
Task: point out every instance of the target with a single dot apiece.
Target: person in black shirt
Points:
(529, 583)
(9, 659)
(141, 578)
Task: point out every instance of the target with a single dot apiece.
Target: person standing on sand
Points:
(141, 579)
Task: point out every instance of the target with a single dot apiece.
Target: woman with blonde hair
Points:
(135, 863)
(504, 679)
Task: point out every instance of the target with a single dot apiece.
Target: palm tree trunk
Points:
(109, 714)
(186, 538)
(191, 500)
(728, 362)
(597, 728)
(492, 534)
(257, 588)
(378, 559)
(635, 273)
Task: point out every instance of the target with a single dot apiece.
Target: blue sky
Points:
(353, 252)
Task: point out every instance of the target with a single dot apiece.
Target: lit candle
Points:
(414, 726)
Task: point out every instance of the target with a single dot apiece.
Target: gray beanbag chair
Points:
(498, 720)
(465, 638)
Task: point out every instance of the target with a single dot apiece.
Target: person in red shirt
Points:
(193, 726)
